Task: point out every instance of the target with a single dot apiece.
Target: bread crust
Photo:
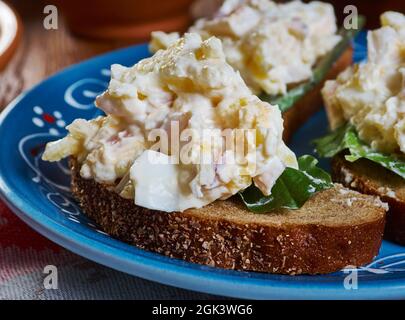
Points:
(207, 236)
(370, 178)
(302, 110)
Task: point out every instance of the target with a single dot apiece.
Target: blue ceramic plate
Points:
(39, 194)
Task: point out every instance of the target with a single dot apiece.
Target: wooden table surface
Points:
(43, 52)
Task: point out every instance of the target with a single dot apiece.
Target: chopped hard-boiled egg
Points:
(271, 45)
(157, 184)
(182, 130)
(371, 95)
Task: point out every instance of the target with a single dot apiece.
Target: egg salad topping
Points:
(371, 95)
(153, 145)
(272, 45)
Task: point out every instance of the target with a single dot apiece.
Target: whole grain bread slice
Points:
(370, 178)
(311, 102)
(334, 229)
(321, 237)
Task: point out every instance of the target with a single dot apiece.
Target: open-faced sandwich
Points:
(366, 110)
(284, 52)
(189, 163)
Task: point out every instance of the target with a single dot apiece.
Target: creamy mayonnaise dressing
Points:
(371, 95)
(191, 87)
(271, 45)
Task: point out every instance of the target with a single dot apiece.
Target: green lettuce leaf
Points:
(286, 101)
(346, 138)
(291, 190)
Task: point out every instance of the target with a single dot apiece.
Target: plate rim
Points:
(173, 274)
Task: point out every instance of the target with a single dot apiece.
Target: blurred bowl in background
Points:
(10, 33)
(124, 19)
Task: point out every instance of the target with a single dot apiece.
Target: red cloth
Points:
(14, 232)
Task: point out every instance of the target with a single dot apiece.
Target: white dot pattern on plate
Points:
(57, 114)
(53, 131)
(61, 123)
(38, 122)
(38, 110)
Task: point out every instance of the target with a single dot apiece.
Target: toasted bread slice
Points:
(311, 102)
(334, 229)
(368, 177)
